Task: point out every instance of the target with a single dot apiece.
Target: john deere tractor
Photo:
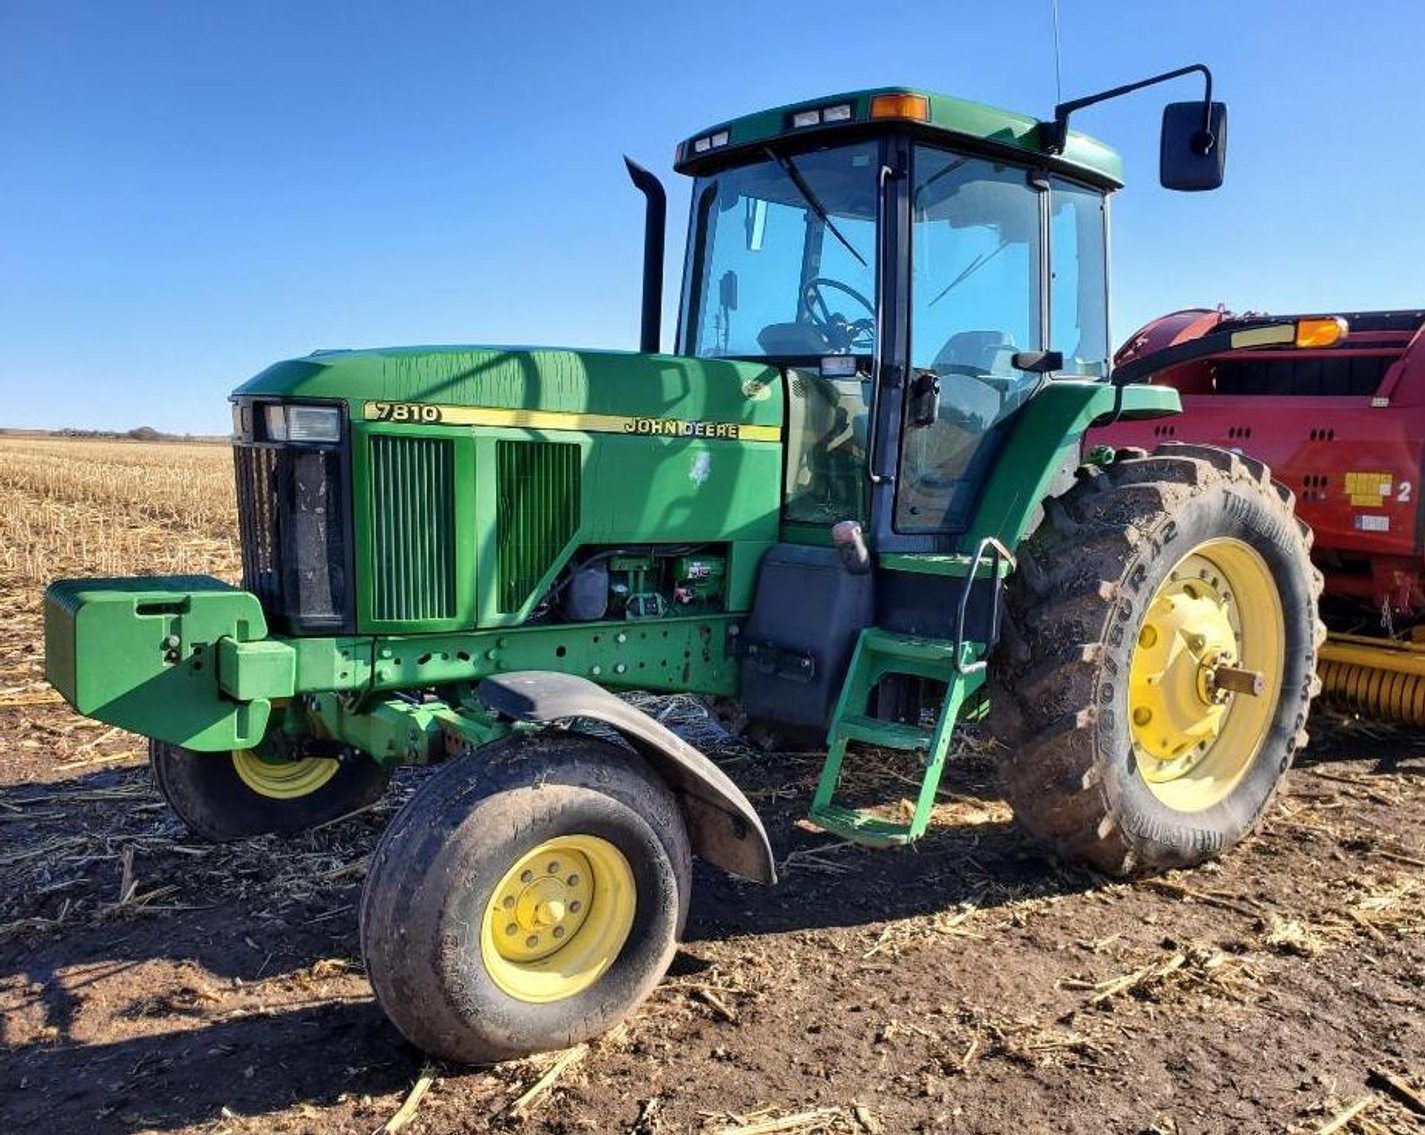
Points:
(853, 500)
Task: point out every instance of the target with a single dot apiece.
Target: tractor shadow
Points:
(1371, 747)
(208, 988)
(229, 978)
(972, 853)
(198, 1075)
(226, 978)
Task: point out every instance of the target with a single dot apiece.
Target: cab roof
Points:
(936, 116)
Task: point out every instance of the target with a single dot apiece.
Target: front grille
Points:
(537, 513)
(412, 528)
(292, 516)
(257, 521)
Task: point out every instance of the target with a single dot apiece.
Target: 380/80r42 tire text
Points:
(528, 897)
(1159, 659)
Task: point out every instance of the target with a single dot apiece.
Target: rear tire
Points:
(473, 880)
(1143, 578)
(227, 796)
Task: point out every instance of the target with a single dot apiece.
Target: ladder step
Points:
(861, 827)
(886, 734)
(909, 647)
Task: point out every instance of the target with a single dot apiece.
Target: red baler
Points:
(1335, 405)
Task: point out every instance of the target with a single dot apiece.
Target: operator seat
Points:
(972, 401)
(990, 352)
(800, 338)
(978, 386)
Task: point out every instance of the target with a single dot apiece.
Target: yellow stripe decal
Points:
(426, 413)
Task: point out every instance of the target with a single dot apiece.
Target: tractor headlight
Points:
(302, 423)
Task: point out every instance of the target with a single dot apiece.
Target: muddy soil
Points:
(152, 983)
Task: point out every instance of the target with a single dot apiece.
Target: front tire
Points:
(1146, 587)
(528, 897)
(226, 796)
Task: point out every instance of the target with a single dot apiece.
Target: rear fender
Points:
(723, 827)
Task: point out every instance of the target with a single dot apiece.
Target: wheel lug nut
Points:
(573, 880)
(509, 903)
(527, 877)
(532, 941)
(512, 929)
(554, 868)
(575, 906)
(1142, 715)
(559, 932)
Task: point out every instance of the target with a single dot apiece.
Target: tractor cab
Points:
(919, 267)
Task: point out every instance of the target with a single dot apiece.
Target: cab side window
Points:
(1078, 282)
(975, 263)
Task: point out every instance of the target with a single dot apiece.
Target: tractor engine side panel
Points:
(468, 480)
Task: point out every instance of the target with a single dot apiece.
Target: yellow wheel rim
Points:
(283, 780)
(1194, 740)
(558, 918)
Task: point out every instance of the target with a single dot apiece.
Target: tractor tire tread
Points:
(1057, 616)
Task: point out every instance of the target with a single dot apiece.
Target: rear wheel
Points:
(247, 792)
(528, 897)
(1160, 657)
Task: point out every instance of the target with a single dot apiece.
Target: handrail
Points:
(1001, 555)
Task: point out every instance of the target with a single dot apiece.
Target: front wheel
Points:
(1161, 656)
(528, 897)
(247, 792)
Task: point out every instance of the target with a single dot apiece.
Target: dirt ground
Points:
(152, 983)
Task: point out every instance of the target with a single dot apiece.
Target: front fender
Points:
(723, 827)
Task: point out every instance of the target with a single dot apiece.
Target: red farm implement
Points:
(1335, 405)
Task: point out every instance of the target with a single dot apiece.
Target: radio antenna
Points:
(1058, 74)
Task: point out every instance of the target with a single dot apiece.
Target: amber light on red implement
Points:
(1325, 332)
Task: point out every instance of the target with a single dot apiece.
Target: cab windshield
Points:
(784, 256)
(999, 261)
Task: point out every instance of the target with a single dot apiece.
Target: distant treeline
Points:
(139, 433)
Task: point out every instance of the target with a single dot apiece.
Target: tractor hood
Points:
(613, 390)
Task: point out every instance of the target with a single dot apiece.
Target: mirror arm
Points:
(1054, 136)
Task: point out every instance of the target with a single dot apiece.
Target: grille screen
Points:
(257, 522)
(537, 511)
(412, 528)
(293, 525)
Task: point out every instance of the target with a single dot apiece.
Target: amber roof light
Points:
(915, 107)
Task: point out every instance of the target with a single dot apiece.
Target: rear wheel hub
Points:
(1217, 612)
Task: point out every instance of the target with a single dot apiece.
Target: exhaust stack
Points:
(654, 226)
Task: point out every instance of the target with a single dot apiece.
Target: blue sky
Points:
(189, 191)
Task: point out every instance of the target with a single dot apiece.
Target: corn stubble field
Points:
(151, 982)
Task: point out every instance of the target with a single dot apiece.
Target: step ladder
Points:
(879, 653)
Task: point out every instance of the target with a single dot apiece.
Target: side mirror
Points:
(1193, 152)
(924, 406)
(1037, 362)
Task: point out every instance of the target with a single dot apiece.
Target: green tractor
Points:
(853, 500)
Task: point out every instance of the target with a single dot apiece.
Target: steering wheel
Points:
(841, 334)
